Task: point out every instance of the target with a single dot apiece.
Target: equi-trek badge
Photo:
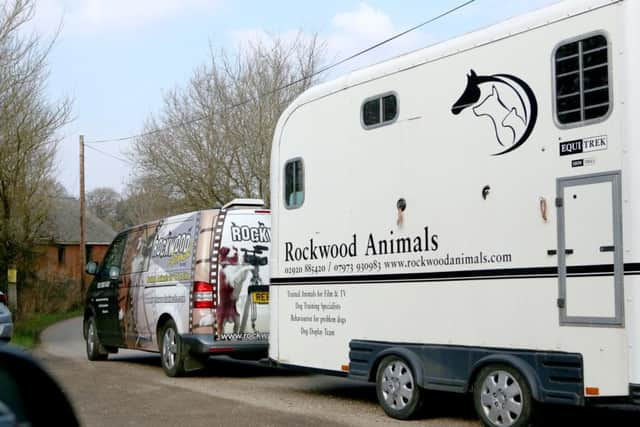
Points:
(586, 145)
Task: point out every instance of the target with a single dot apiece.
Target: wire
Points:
(293, 83)
(109, 154)
(375, 46)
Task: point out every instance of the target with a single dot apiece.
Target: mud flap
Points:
(191, 363)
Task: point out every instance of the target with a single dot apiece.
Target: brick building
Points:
(60, 243)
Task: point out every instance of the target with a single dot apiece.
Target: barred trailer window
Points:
(293, 183)
(582, 80)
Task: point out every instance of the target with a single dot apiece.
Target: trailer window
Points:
(582, 90)
(380, 110)
(371, 112)
(293, 183)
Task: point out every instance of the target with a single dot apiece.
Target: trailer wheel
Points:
(171, 350)
(502, 397)
(95, 350)
(398, 393)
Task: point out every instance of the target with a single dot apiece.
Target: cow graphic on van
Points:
(232, 278)
(506, 101)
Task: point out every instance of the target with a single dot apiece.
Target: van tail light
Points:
(3, 298)
(263, 211)
(202, 295)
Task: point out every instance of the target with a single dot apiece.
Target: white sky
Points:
(115, 58)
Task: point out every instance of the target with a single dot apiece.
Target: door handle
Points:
(554, 252)
(610, 248)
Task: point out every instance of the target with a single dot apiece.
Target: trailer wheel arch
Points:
(411, 357)
(522, 366)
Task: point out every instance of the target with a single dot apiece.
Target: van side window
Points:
(113, 258)
(379, 110)
(293, 183)
(137, 252)
(582, 80)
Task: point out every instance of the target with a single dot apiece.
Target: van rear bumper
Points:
(205, 345)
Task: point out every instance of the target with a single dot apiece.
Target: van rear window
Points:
(293, 184)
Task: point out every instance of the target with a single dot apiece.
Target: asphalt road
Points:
(131, 389)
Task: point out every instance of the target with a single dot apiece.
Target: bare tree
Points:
(145, 200)
(215, 135)
(28, 135)
(105, 203)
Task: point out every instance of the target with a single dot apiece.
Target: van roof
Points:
(244, 203)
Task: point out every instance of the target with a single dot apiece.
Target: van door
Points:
(590, 262)
(105, 297)
(135, 262)
(243, 274)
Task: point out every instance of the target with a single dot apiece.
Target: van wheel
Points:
(398, 392)
(171, 350)
(502, 397)
(95, 350)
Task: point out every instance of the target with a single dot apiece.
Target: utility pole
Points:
(83, 252)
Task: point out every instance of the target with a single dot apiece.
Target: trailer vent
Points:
(582, 88)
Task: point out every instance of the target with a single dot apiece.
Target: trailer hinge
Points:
(560, 302)
(558, 202)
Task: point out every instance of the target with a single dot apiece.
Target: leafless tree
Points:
(146, 200)
(28, 134)
(105, 203)
(211, 142)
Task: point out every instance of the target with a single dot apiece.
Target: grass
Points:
(27, 330)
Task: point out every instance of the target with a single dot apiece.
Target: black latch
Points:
(554, 252)
(560, 302)
(607, 248)
(558, 202)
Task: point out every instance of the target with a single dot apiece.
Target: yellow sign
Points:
(260, 297)
(12, 275)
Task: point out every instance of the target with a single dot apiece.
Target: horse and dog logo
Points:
(507, 101)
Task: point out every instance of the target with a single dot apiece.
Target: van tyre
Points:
(95, 350)
(171, 352)
(397, 390)
(502, 397)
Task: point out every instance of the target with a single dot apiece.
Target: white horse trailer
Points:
(465, 218)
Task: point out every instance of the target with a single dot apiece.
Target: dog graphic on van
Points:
(507, 101)
(232, 278)
(131, 311)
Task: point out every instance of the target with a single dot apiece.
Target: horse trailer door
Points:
(590, 265)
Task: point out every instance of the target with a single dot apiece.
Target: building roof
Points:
(63, 224)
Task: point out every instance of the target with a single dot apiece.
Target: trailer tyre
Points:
(502, 397)
(95, 350)
(171, 353)
(397, 390)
